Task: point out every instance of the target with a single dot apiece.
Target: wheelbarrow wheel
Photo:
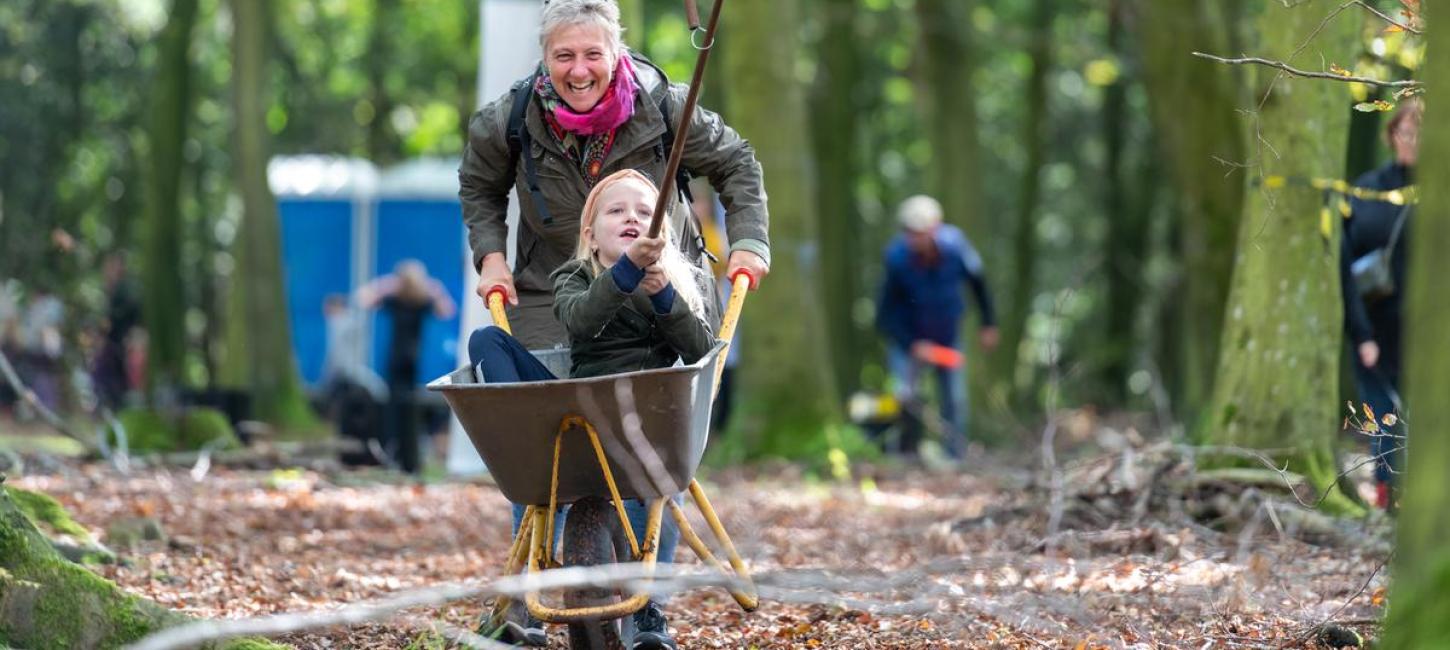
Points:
(592, 537)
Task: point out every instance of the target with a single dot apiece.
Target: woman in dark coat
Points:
(1373, 315)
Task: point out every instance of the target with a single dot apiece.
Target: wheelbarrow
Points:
(647, 427)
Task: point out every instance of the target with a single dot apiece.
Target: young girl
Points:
(629, 302)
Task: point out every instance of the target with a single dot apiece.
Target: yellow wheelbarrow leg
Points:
(601, 612)
(748, 599)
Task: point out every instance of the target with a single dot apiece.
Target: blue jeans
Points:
(1380, 393)
(499, 358)
(951, 390)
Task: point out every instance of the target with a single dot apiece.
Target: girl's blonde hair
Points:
(686, 278)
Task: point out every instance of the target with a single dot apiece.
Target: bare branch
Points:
(1387, 19)
(1285, 67)
(30, 398)
(1280, 65)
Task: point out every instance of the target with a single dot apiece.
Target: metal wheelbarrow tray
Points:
(653, 425)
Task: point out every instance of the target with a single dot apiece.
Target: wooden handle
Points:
(682, 132)
(740, 284)
(692, 14)
(494, 299)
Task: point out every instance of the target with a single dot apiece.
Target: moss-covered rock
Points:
(190, 429)
(46, 513)
(47, 602)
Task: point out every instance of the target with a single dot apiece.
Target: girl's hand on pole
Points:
(645, 251)
(654, 280)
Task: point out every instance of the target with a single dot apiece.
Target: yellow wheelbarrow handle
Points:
(741, 282)
(494, 300)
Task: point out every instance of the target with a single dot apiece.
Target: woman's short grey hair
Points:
(565, 13)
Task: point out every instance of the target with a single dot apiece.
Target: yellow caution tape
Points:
(1407, 195)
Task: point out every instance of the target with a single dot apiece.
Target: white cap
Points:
(919, 213)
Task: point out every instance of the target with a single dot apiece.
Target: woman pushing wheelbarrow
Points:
(620, 280)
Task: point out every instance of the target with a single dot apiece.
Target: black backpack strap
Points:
(520, 143)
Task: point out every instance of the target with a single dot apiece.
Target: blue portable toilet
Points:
(324, 205)
(417, 216)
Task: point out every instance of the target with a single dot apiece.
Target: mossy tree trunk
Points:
(164, 298)
(785, 388)
(1192, 103)
(1419, 614)
(836, 103)
(1277, 385)
(259, 337)
(50, 603)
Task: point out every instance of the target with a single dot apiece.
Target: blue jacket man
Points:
(921, 308)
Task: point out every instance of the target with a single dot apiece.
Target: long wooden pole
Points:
(677, 149)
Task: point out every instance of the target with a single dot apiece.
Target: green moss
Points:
(48, 603)
(44, 510)
(146, 430)
(152, 431)
(201, 426)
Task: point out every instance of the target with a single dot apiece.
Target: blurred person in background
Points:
(409, 296)
(123, 314)
(1372, 275)
(922, 303)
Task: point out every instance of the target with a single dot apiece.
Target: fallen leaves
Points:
(258, 543)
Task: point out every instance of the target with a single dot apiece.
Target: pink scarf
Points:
(614, 109)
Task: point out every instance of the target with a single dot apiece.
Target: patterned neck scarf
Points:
(587, 137)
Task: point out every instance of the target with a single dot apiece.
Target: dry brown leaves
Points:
(243, 543)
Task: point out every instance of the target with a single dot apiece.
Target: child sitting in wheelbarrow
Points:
(629, 302)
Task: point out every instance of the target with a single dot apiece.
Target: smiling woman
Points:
(592, 108)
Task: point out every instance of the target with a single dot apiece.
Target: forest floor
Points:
(897, 557)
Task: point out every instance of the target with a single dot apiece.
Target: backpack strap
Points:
(520, 141)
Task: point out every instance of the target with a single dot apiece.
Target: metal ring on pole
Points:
(697, 46)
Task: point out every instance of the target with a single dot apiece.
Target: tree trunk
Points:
(1127, 242)
(1277, 384)
(259, 339)
(1193, 105)
(50, 603)
(836, 140)
(946, 72)
(786, 375)
(1419, 614)
(163, 301)
(1017, 301)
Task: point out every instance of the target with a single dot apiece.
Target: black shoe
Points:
(518, 628)
(650, 629)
